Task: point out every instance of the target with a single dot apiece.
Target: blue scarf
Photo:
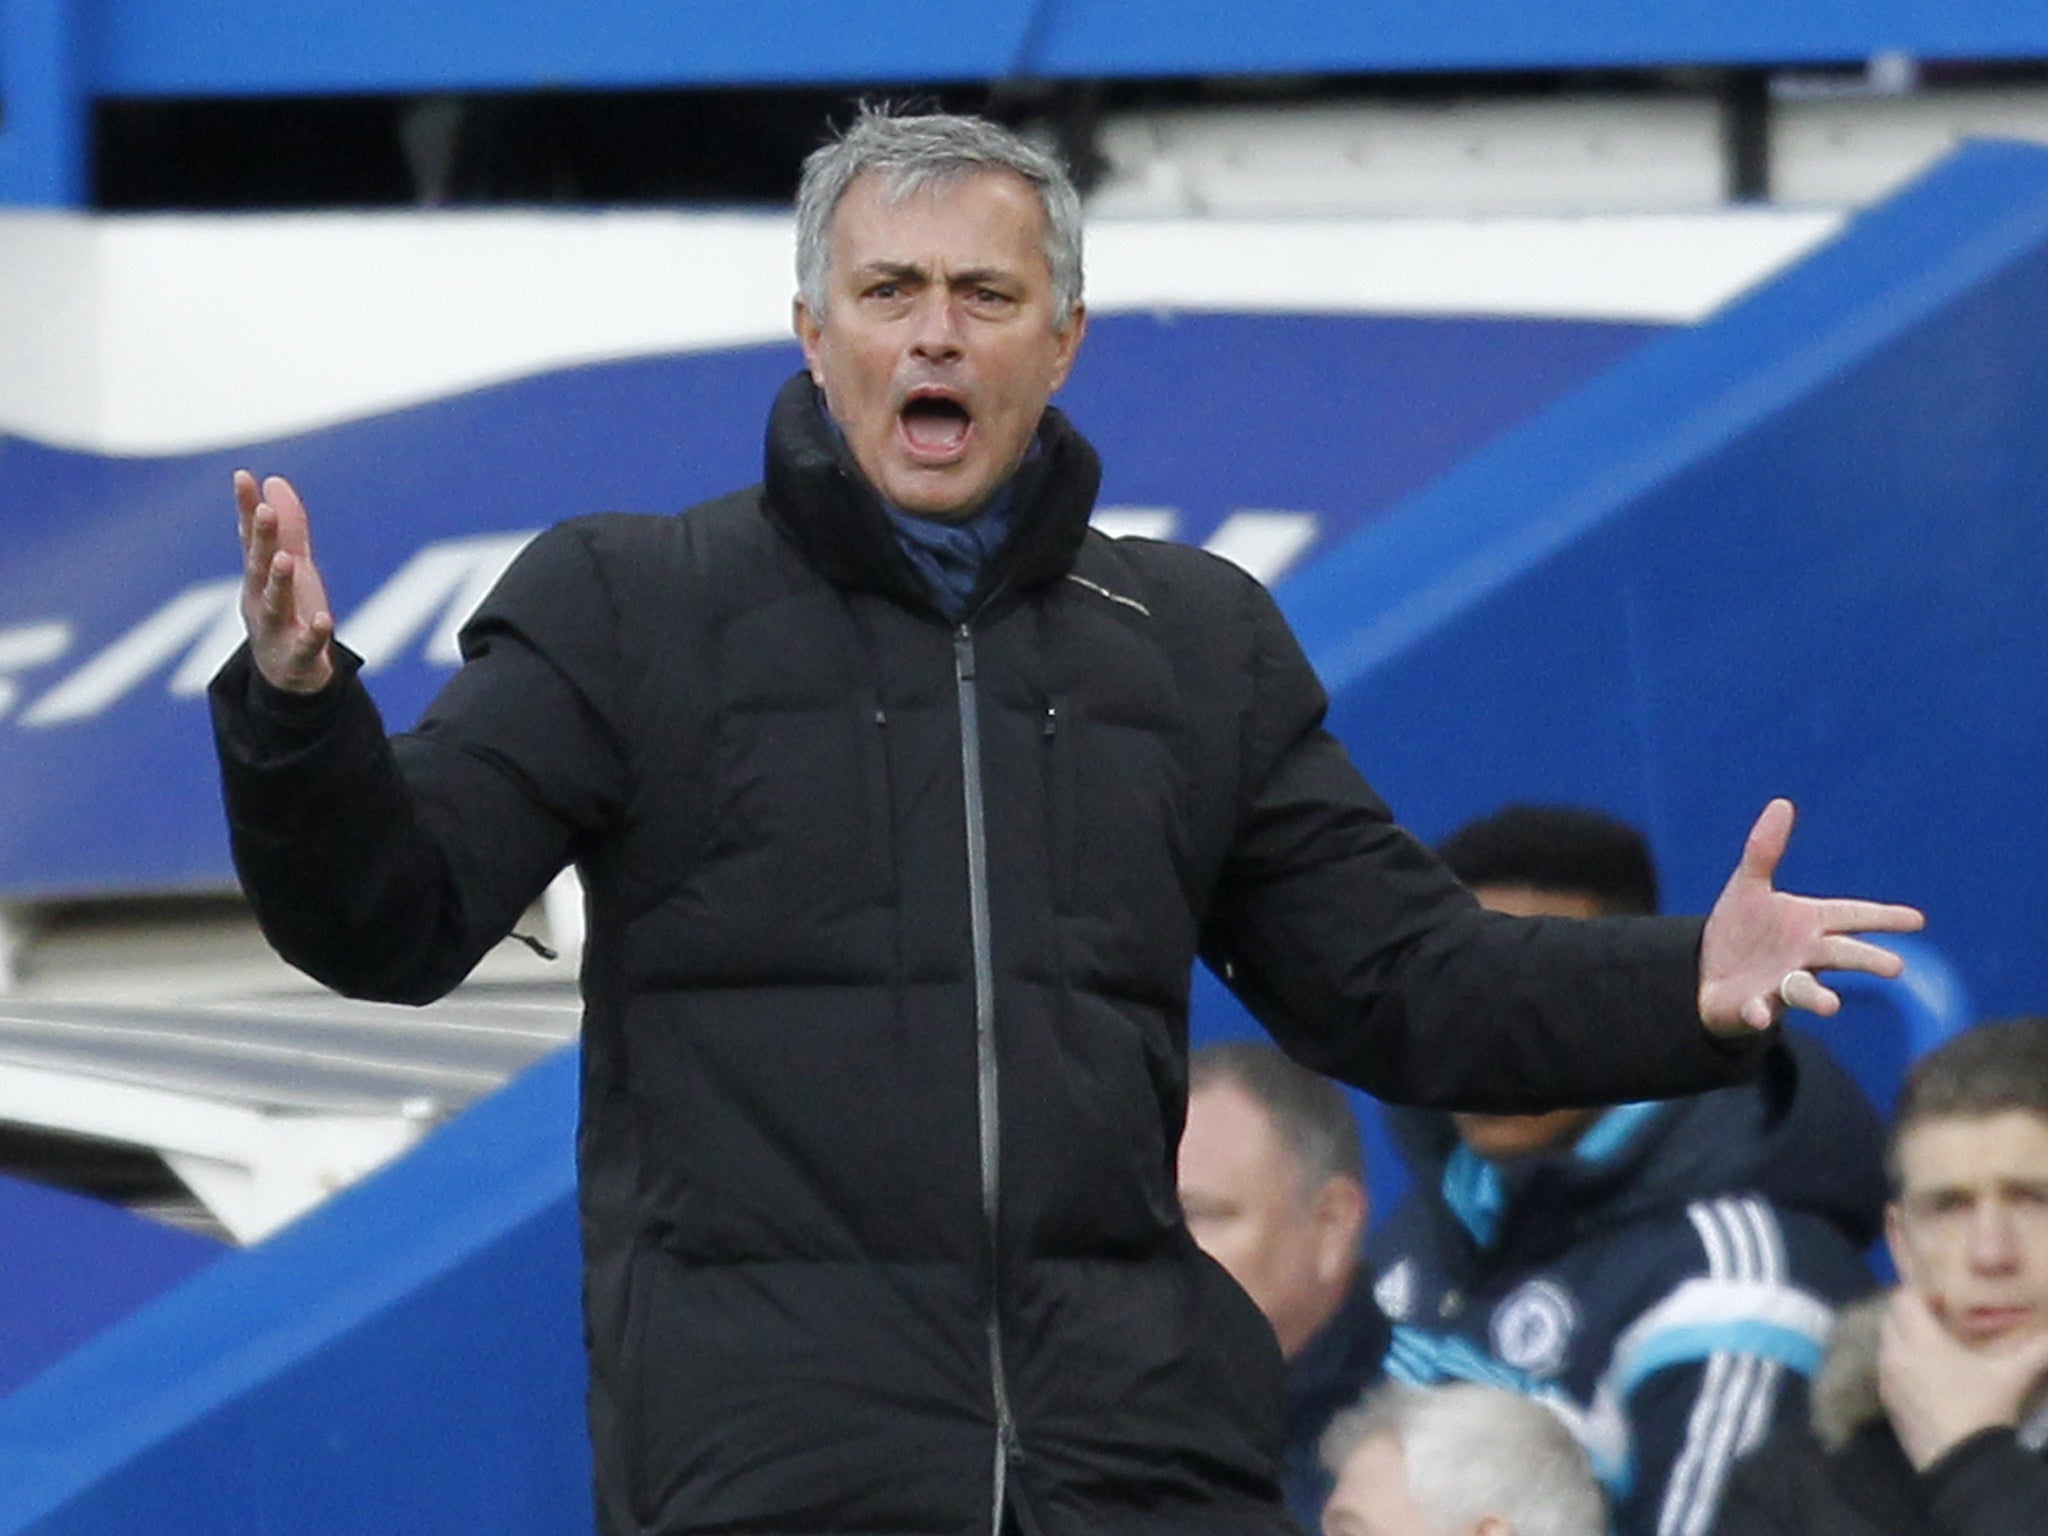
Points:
(951, 556)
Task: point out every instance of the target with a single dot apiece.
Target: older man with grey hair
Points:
(1461, 1460)
(1272, 1180)
(904, 803)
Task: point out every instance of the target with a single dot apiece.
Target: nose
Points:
(935, 327)
(1994, 1246)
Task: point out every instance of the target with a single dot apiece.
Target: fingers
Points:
(1906, 1316)
(290, 644)
(1802, 989)
(1849, 916)
(246, 497)
(2032, 1357)
(313, 639)
(277, 495)
(1841, 953)
(279, 597)
(258, 523)
(267, 571)
(1908, 1323)
(1767, 840)
(259, 547)
(284, 601)
(1912, 1329)
(1797, 989)
(294, 531)
(2030, 1353)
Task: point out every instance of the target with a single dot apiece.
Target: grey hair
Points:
(1472, 1451)
(1309, 1113)
(914, 154)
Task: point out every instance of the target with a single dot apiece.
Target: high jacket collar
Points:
(818, 499)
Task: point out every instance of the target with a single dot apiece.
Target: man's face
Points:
(1969, 1230)
(939, 347)
(1371, 1497)
(1502, 1137)
(1293, 1250)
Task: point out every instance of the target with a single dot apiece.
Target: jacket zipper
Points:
(986, 1104)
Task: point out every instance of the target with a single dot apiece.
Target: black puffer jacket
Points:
(891, 924)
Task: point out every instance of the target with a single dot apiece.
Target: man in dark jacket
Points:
(1664, 1274)
(904, 804)
(1931, 1415)
(1272, 1181)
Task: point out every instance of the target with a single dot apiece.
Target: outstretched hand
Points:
(284, 602)
(1763, 947)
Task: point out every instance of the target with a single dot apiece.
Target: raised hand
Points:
(284, 602)
(1763, 947)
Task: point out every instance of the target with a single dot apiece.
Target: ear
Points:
(1069, 344)
(1340, 1211)
(810, 332)
(1492, 1525)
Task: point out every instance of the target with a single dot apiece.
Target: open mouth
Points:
(935, 426)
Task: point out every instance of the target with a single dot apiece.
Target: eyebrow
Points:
(1973, 1189)
(966, 277)
(1926, 1194)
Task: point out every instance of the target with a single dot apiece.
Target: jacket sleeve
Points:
(1689, 1425)
(1368, 962)
(1990, 1485)
(386, 867)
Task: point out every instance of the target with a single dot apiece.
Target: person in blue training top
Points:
(1664, 1274)
(1272, 1182)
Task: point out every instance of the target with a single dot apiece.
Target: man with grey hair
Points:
(1460, 1460)
(904, 803)
(1272, 1180)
